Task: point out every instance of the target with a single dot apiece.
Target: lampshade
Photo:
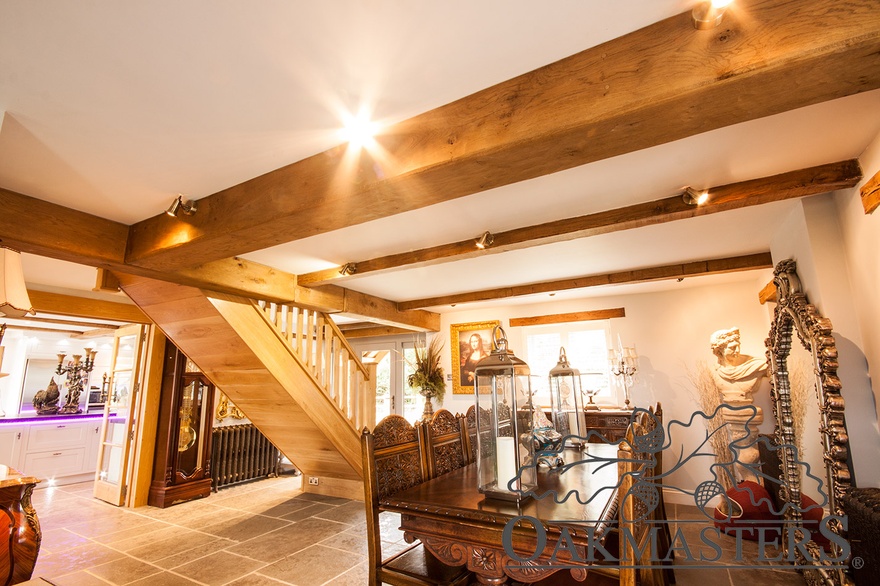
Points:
(14, 300)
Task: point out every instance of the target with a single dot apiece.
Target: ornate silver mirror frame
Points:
(794, 316)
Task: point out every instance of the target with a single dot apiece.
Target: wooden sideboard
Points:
(610, 423)
(19, 555)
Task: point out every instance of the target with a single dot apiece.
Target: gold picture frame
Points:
(461, 337)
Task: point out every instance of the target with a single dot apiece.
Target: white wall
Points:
(861, 239)
(671, 331)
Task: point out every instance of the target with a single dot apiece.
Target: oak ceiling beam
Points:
(678, 271)
(62, 233)
(662, 83)
(800, 183)
(57, 303)
(870, 193)
(565, 318)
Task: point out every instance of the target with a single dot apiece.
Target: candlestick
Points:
(77, 376)
(624, 363)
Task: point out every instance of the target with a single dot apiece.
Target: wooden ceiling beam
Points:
(870, 193)
(565, 318)
(57, 303)
(794, 184)
(62, 233)
(677, 271)
(373, 332)
(658, 84)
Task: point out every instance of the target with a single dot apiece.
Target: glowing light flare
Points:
(359, 130)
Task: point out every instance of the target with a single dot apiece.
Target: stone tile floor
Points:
(258, 534)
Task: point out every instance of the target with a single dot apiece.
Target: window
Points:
(585, 346)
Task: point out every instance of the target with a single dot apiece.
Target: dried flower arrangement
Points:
(709, 398)
(427, 372)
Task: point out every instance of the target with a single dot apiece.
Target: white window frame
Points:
(609, 395)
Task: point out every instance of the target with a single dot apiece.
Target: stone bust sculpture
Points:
(737, 376)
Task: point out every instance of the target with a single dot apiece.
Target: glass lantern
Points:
(505, 446)
(566, 402)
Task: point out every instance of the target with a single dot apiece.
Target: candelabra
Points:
(624, 363)
(77, 374)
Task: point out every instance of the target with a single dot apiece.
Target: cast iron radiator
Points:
(240, 453)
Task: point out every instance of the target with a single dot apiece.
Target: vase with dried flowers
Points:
(427, 375)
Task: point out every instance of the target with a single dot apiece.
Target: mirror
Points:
(806, 399)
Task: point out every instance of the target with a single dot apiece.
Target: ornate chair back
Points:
(394, 459)
(444, 443)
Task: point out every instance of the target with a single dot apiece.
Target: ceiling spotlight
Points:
(708, 15)
(348, 268)
(485, 240)
(692, 197)
(188, 207)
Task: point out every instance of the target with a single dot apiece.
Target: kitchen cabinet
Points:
(62, 450)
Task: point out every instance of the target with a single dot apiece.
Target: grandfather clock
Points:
(182, 464)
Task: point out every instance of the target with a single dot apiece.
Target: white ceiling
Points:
(114, 107)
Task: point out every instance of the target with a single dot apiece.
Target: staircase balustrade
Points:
(315, 340)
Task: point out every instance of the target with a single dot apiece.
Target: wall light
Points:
(188, 207)
(485, 240)
(708, 15)
(692, 197)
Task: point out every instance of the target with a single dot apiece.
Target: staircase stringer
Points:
(301, 383)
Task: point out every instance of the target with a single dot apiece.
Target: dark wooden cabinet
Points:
(182, 464)
(611, 424)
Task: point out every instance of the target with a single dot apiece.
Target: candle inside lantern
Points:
(505, 460)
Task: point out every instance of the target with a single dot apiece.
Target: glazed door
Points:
(117, 429)
(393, 358)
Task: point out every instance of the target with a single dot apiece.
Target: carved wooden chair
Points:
(444, 444)
(505, 427)
(637, 513)
(394, 459)
(640, 506)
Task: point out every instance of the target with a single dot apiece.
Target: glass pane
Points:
(542, 351)
(125, 353)
(587, 351)
(121, 391)
(383, 387)
(188, 442)
(413, 402)
(111, 462)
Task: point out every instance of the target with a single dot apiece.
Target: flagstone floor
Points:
(259, 534)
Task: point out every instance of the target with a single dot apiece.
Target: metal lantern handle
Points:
(499, 344)
(563, 359)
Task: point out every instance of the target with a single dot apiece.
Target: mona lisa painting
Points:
(470, 343)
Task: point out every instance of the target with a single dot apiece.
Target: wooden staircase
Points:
(290, 370)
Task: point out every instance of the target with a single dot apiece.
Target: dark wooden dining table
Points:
(459, 525)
